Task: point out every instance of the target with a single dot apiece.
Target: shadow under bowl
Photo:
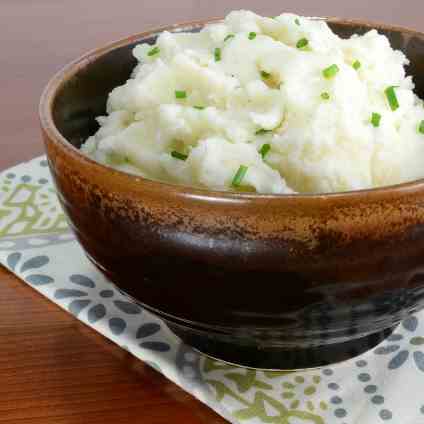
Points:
(265, 281)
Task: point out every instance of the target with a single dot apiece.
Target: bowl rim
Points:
(49, 93)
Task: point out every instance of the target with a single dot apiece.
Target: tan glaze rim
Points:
(58, 80)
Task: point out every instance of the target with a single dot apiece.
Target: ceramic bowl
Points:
(265, 281)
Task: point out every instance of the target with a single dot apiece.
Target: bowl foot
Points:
(276, 358)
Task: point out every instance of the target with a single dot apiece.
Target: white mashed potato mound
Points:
(269, 105)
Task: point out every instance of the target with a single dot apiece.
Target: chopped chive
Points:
(153, 51)
(391, 97)
(302, 43)
(331, 71)
(228, 37)
(325, 96)
(356, 65)
(217, 54)
(179, 94)
(265, 74)
(199, 107)
(375, 119)
(262, 131)
(421, 127)
(241, 172)
(252, 35)
(264, 150)
(297, 22)
(178, 155)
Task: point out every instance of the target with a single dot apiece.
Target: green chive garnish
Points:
(331, 71)
(421, 127)
(356, 65)
(153, 51)
(252, 35)
(302, 43)
(391, 97)
(264, 150)
(325, 95)
(262, 131)
(375, 119)
(217, 54)
(241, 172)
(179, 94)
(228, 37)
(178, 155)
(199, 107)
(265, 74)
(297, 22)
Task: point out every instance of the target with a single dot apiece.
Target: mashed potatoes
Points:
(272, 105)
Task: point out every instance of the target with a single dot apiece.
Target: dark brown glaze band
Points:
(287, 273)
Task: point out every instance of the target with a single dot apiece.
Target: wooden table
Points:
(53, 369)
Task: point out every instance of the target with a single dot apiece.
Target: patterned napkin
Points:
(383, 385)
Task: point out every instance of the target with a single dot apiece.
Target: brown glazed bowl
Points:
(268, 281)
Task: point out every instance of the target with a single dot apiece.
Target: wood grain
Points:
(53, 369)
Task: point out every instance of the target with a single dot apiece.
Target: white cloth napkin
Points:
(383, 385)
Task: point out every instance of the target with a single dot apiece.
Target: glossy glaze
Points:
(318, 277)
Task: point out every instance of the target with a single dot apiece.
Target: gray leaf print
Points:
(13, 259)
(410, 323)
(395, 337)
(64, 293)
(82, 280)
(35, 262)
(156, 346)
(117, 326)
(106, 293)
(39, 279)
(96, 313)
(147, 330)
(419, 360)
(398, 360)
(76, 306)
(127, 307)
(385, 350)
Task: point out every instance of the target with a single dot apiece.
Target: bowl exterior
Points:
(277, 272)
(289, 270)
